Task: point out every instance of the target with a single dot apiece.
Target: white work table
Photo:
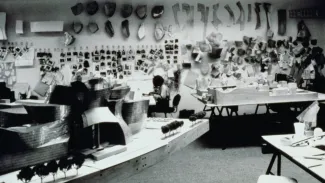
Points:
(147, 148)
(296, 155)
(267, 100)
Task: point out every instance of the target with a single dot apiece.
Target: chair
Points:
(275, 179)
(172, 109)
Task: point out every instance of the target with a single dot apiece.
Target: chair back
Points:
(176, 101)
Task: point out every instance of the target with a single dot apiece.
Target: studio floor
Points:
(204, 161)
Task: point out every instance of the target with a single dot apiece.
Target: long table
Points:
(147, 148)
(266, 100)
(315, 168)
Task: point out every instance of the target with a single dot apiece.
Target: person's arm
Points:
(164, 91)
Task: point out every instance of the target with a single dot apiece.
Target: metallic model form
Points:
(216, 21)
(242, 18)
(176, 9)
(37, 140)
(134, 114)
(231, 15)
(258, 17)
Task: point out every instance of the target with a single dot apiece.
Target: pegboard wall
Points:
(46, 10)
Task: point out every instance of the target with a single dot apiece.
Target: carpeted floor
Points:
(199, 164)
(204, 161)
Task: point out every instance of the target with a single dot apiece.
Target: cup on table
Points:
(299, 129)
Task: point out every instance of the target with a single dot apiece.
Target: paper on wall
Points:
(19, 27)
(26, 59)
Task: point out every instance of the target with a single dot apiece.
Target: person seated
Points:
(161, 95)
(78, 85)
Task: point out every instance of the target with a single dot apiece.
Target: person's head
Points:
(157, 81)
(79, 78)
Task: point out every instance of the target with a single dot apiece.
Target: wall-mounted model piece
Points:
(141, 11)
(126, 10)
(258, 17)
(282, 22)
(204, 17)
(141, 31)
(249, 19)
(231, 15)
(77, 27)
(125, 28)
(68, 39)
(92, 27)
(109, 28)
(92, 7)
(176, 9)
(216, 21)
(77, 9)
(267, 7)
(159, 31)
(242, 18)
(190, 13)
(109, 8)
(3, 35)
(157, 11)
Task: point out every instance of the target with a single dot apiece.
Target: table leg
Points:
(268, 171)
(279, 165)
(212, 112)
(220, 111)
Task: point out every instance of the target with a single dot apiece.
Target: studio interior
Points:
(162, 91)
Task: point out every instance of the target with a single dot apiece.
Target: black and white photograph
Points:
(163, 91)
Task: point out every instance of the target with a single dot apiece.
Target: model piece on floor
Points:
(109, 8)
(109, 28)
(231, 15)
(157, 11)
(141, 11)
(258, 16)
(176, 9)
(142, 31)
(216, 21)
(126, 10)
(242, 18)
(267, 7)
(249, 19)
(125, 29)
(282, 22)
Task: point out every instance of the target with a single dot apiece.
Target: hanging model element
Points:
(242, 18)
(176, 9)
(231, 15)
(216, 21)
(267, 7)
(258, 17)
(249, 13)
